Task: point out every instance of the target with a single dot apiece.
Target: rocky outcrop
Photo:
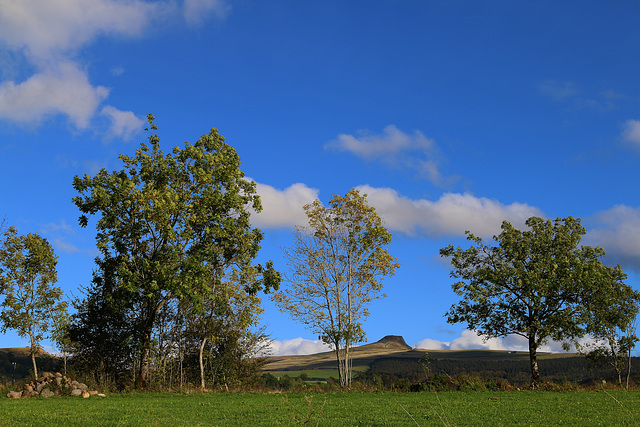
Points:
(53, 384)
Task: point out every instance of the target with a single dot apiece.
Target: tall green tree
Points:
(538, 283)
(337, 264)
(173, 222)
(27, 274)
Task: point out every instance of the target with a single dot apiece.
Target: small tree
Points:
(611, 324)
(27, 274)
(539, 284)
(337, 265)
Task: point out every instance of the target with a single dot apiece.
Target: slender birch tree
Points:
(337, 263)
(27, 274)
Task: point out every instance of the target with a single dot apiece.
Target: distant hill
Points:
(15, 363)
(392, 356)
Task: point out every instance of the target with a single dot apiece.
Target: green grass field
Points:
(344, 409)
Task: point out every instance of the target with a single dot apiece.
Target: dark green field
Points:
(331, 409)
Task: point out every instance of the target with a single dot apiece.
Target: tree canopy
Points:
(337, 264)
(170, 224)
(538, 283)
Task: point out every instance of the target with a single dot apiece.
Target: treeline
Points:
(557, 370)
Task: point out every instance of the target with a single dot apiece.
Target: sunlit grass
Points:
(345, 409)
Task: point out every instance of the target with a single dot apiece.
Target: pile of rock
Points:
(50, 384)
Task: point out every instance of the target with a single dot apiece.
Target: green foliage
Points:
(170, 226)
(27, 274)
(539, 283)
(337, 266)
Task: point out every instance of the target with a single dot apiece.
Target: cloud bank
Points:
(469, 340)
(617, 230)
(451, 215)
(296, 347)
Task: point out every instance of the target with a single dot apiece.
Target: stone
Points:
(85, 394)
(101, 395)
(14, 395)
(76, 392)
(40, 387)
(93, 392)
(46, 393)
(83, 386)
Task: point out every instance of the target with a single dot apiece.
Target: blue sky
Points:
(450, 115)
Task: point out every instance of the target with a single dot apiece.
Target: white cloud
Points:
(283, 208)
(617, 230)
(196, 11)
(45, 28)
(49, 35)
(396, 149)
(469, 340)
(124, 124)
(632, 131)
(297, 346)
(63, 89)
(452, 214)
(390, 143)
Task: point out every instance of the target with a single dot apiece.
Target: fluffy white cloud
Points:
(45, 28)
(395, 148)
(283, 208)
(632, 131)
(617, 230)
(391, 142)
(124, 124)
(49, 34)
(452, 214)
(469, 340)
(63, 89)
(296, 346)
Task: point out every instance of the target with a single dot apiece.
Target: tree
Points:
(104, 331)
(337, 265)
(611, 327)
(539, 284)
(27, 274)
(169, 224)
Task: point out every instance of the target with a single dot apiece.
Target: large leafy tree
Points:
(169, 224)
(337, 264)
(538, 283)
(27, 275)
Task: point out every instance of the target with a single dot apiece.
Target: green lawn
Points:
(341, 409)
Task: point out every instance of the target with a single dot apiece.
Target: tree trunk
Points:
(145, 357)
(34, 348)
(201, 364)
(533, 354)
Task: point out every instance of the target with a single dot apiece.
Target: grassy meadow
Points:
(330, 409)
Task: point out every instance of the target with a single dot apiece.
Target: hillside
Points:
(391, 356)
(15, 363)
